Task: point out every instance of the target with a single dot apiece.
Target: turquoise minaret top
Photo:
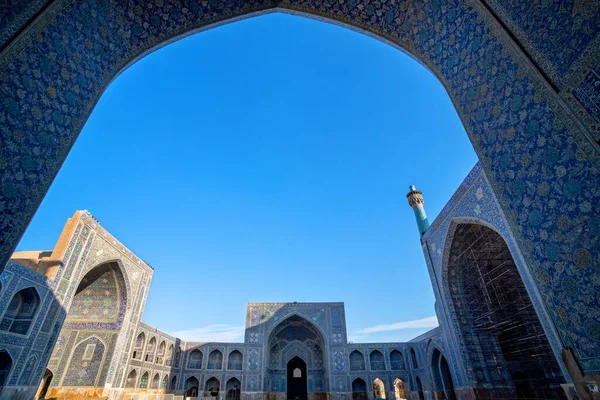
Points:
(415, 200)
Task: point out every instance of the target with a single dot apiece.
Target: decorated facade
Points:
(71, 326)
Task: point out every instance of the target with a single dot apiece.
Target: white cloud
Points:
(429, 322)
(212, 333)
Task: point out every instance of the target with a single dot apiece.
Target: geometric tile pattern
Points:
(538, 157)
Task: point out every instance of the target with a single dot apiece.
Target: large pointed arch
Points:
(297, 338)
(106, 284)
(489, 304)
(501, 123)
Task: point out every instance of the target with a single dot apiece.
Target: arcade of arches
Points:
(515, 276)
(489, 329)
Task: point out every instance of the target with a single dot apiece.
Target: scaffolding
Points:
(505, 344)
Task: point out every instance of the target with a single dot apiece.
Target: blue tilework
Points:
(540, 165)
(475, 202)
(556, 33)
(84, 371)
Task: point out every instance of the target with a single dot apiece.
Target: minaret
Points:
(415, 200)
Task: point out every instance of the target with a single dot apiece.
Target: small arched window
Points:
(150, 349)
(138, 348)
(377, 361)
(359, 389)
(21, 311)
(131, 379)
(155, 381)
(160, 357)
(212, 387)
(357, 361)
(169, 357)
(400, 389)
(397, 360)
(215, 360)
(378, 389)
(144, 381)
(195, 359)
(235, 361)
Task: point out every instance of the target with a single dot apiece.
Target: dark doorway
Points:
(522, 387)
(296, 379)
(5, 367)
(359, 389)
(233, 389)
(46, 380)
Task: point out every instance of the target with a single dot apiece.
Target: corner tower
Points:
(415, 200)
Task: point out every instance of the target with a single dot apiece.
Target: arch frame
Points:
(503, 230)
(566, 119)
(207, 380)
(87, 268)
(432, 347)
(405, 380)
(104, 355)
(137, 377)
(384, 381)
(21, 286)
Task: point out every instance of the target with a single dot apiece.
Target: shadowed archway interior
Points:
(296, 379)
(296, 338)
(497, 319)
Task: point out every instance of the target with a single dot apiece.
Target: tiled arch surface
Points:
(540, 161)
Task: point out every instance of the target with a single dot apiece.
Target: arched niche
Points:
(6, 363)
(131, 380)
(357, 361)
(100, 300)
(212, 387)
(297, 337)
(400, 389)
(413, 358)
(138, 347)
(379, 391)
(397, 360)
(442, 377)
(155, 381)
(21, 311)
(233, 389)
(359, 389)
(420, 394)
(235, 361)
(144, 380)
(195, 359)
(215, 360)
(498, 326)
(377, 361)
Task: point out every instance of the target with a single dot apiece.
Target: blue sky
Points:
(268, 160)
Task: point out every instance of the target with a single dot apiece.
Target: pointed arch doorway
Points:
(296, 379)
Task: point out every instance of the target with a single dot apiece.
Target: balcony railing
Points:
(397, 365)
(377, 366)
(195, 365)
(357, 366)
(234, 366)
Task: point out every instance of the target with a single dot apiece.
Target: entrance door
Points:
(296, 379)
